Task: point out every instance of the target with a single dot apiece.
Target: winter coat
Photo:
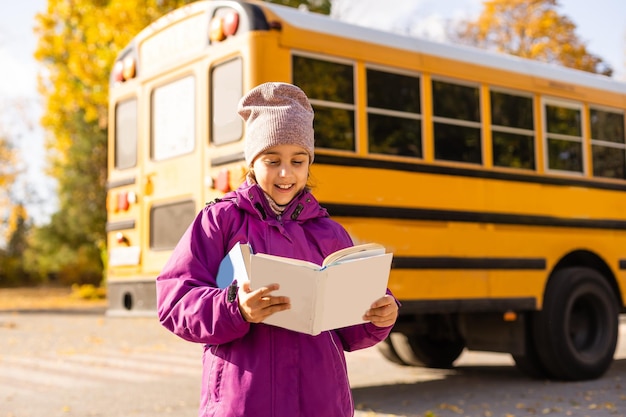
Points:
(258, 370)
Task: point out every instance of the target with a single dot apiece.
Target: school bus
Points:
(498, 183)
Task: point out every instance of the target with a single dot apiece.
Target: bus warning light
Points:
(510, 316)
(217, 30)
(231, 23)
(121, 239)
(129, 68)
(224, 26)
(222, 183)
(118, 70)
(122, 202)
(124, 69)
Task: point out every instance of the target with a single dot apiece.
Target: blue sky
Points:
(601, 24)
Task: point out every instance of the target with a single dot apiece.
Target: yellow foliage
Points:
(78, 43)
(17, 217)
(88, 292)
(8, 172)
(7, 164)
(531, 29)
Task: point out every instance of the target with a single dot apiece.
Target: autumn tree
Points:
(8, 173)
(77, 45)
(531, 29)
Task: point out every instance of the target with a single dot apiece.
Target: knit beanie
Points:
(276, 114)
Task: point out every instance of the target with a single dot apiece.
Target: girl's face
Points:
(282, 171)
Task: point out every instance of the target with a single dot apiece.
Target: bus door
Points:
(172, 166)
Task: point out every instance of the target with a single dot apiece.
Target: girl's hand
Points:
(383, 312)
(256, 306)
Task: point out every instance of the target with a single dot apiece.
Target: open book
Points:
(323, 297)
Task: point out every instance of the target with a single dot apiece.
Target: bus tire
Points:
(387, 350)
(422, 350)
(575, 334)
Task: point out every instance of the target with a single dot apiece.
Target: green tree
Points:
(13, 270)
(531, 29)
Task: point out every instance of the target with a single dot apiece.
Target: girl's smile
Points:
(282, 172)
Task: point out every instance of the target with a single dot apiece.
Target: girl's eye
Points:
(297, 162)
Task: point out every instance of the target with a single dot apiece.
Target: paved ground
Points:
(81, 363)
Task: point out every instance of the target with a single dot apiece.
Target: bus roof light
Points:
(129, 68)
(230, 23)
(216, 31)
(223, 26)
(118, 72)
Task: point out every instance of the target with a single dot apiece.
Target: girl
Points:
(250, 368)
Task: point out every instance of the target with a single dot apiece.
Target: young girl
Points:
(250, 368)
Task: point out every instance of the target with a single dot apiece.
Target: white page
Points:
(352, 288)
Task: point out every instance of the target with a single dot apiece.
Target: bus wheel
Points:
(422, 350)
(387, 350)
(575, 334)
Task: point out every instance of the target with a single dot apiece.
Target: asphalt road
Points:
(87, 365)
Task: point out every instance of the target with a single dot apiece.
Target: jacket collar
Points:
(304, 206)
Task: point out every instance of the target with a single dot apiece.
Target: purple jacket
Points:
(257, 369)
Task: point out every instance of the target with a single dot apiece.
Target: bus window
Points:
(173, 119)
(456, 117)
(168, 222)
(394, 114)
(126, 134)
(512, 130)
(226, 89)
(330, 88)
(607, 143)
(564, 137)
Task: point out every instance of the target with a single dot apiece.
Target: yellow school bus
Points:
(498, 183)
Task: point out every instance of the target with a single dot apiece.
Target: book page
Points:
(298, 282)
(354, 252)
(351, 288)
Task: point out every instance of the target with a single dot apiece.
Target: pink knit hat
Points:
(276, 114)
